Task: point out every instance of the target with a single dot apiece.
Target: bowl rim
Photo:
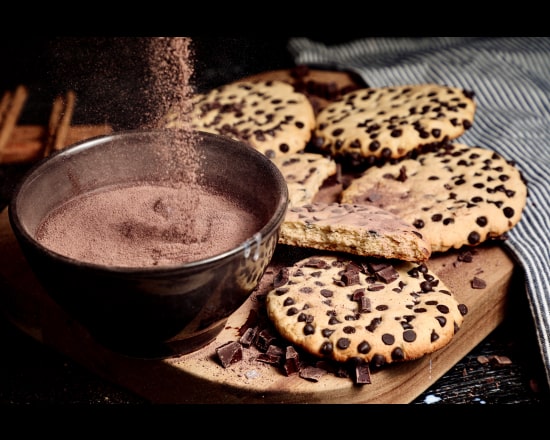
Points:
(245, 246)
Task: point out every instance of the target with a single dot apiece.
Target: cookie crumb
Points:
(500, 360)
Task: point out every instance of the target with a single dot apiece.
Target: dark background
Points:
(103, 71)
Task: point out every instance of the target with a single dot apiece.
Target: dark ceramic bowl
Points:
(159, 311)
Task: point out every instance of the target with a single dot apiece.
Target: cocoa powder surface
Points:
(145, 224)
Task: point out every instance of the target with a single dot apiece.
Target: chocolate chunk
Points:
(292, 361)
(350, 277)
(362, 374)
(478, 283)
(312, 374)
(316, 262)
(265, 339)
(273, 355)
(364, 305)
(229, 353)
(248, 337)
(387, 274)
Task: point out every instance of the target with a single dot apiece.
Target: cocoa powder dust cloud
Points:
(130, 83)
(147, 224)
(127, 82)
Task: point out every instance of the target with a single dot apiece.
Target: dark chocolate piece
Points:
(362, 373)
(292, 361)
(312, 374)
(229, 353)
(249, 336)
(478, 283)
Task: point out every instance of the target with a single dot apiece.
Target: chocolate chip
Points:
(373, 324)
(378, 360)
(343, 343)
(364, 347)
(327, 348)
(409, 335)
(292, 311)
(288, 302)
(397, 354)
(474, 237)
(308, 329)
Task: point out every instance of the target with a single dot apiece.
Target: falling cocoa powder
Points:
(168, 88)
(145, 224)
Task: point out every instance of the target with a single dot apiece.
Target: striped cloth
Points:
(511, 81)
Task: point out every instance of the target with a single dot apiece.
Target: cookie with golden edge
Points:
(353, 308)
(390, 122)
(456, 196)
(269, 115)
(304, 174)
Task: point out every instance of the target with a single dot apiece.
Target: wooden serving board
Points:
(199, 378)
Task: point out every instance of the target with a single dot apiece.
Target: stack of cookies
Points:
(405, 189)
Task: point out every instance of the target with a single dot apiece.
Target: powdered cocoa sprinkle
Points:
(146, 225)
(168, 89)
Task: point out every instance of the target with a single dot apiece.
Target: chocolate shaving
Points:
(312, 374)
(251, 321)
(478, 283)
